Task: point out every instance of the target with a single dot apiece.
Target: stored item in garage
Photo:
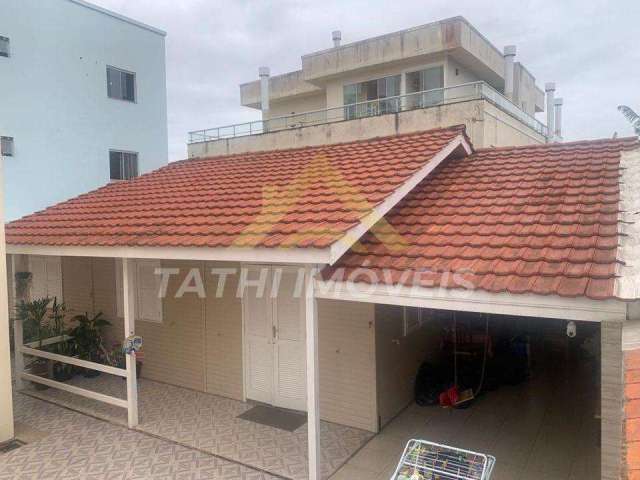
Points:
(422, 460)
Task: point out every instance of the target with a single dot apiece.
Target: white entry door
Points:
(275, 362)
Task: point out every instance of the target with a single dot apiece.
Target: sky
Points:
(589, 48)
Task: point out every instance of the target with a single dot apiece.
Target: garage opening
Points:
(525, 390)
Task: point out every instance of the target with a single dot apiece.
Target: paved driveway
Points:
(67, 445)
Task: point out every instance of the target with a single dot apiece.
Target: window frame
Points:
(122, 154)
(7, 41)
(436, 96)
(365, 107)
(12, 147)
(122, 71)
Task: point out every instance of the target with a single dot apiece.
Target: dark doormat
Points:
(275, 417)
(9, 446)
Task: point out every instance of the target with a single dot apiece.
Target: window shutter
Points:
(148, 305)
(46, 277)
(119, 292)
(148, 287)
(38, 269)
(54, 277)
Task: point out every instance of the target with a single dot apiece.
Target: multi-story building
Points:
(82, 100)
(435, 75)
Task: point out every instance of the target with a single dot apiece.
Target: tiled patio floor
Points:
(209, 423)
(63, 444)
(543, 429)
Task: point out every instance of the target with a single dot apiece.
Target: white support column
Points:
(6, 400)
(313, 386)
(18, 357)
(129, 304)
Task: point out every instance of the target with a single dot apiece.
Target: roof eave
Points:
(306, 256)
(465, 300)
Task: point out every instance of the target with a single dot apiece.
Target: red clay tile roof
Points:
(308, 197)
(537, 219)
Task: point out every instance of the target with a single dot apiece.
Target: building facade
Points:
(83, 100)
(432, 76)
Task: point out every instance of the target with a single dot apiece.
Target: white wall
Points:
(54, 99)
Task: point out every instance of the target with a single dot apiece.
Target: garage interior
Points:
(534, 385)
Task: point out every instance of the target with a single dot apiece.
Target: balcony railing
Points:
(411, 101)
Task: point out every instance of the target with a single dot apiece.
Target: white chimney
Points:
(509, 55)
(558, 117)
(336, 36)
(264, 73)
(550, 89)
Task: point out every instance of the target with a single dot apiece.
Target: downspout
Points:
(264, 73)
(509, 56)
(558, 118)
(550, 89)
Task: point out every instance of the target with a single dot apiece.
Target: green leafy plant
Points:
(632, 116)
(35, 320)
(87, 337)
(36, 328)
(57, 326)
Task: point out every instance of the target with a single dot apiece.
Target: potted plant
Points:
(36, 328)
(87, 338)
(61, 371)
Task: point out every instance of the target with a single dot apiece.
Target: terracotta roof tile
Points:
(305, 197)
(537, 219)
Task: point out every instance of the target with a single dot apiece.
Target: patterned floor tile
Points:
(206, 422)
(72, 446)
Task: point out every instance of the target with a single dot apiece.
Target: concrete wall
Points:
(223, 330)
(307, 103)
(399, 357)
(175, 349)
(457, 74)
(333, 89)
(525, 93)
(495, 128)
(347, 363)
(283, 86)
(450, 34)
(500, 129)
(55, 102)
(611, 404)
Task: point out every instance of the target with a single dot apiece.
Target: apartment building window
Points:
(123, 165)
(121, 84)
(430, 81)
(6, 146)
(4, 46)
(379, 89)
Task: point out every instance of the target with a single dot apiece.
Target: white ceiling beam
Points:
(528, 305)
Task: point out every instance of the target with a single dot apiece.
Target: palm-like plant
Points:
(632, 116)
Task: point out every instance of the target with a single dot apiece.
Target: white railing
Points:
(33, 349)
(411, 101)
